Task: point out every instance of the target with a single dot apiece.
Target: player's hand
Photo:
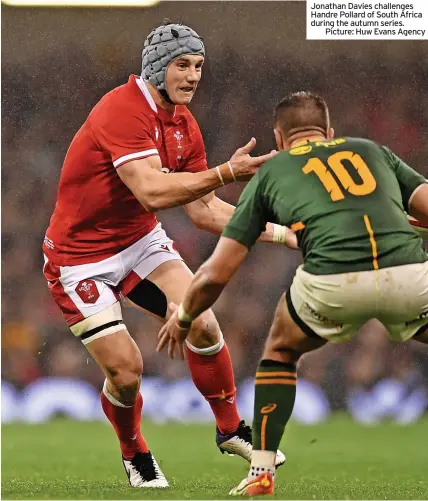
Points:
(245, 166)
(291, 239)
(172, 334)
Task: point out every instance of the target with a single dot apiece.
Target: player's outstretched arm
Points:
(418, 204)
(156, 191)
(212, 214)
(207, 285)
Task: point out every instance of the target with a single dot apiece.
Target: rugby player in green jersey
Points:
(346, 199)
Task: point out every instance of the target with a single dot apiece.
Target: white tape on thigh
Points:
(211, 350)
(104, 333)
(111, 314)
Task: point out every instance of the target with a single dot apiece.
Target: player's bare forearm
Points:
(181, 188)
(212, 214)
(213, 276)
(202, 293)
(156, 190)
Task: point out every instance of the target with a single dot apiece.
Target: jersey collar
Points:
(157, 109)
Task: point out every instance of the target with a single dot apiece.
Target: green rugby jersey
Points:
(344, 197)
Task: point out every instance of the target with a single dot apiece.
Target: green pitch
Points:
(336, 460)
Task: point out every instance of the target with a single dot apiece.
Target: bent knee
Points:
(205, 331)
(125, 373)
(281, 350)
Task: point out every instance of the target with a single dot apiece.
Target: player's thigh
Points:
(147, 283)
(94, 315)
(404, 294)
(405, 313)
(118, 356)
(173, 278)
(325, 306)
(287, 340)
(106, 338)
(169, 283)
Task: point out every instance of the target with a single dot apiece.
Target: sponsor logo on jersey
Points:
(301, 150)
(87, 291)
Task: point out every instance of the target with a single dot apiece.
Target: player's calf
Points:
(212, 373)
(275, 391)
(211, 370)
(121, 361)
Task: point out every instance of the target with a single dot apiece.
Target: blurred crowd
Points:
(45, 102)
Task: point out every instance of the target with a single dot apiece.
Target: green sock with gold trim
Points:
(273, 404)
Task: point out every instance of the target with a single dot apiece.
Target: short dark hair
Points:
(300, 112)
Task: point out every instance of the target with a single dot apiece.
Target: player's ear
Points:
(279, 139)
(330, 134)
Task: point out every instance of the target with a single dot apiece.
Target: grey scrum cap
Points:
(164, 44)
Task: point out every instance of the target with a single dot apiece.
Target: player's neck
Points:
(159, 100)
(306, 138)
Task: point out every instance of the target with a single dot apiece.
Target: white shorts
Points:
(92, 291)
(334, 307)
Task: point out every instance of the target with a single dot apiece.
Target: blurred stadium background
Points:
(57, 63)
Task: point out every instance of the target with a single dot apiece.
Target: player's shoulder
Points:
(270, 167)
(119, 102)
(370, 146)
(359, 141)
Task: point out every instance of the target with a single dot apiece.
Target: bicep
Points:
(140, 175)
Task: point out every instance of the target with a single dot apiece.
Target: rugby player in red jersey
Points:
(139, 151)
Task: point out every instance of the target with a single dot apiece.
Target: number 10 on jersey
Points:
(335, 163)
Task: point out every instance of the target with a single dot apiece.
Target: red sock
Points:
(213, 377)
(126, 422)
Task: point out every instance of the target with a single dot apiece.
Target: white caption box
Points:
(367, 20)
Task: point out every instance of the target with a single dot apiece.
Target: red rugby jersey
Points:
(96, 215)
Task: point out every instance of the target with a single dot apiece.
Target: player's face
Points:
(182, 78)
